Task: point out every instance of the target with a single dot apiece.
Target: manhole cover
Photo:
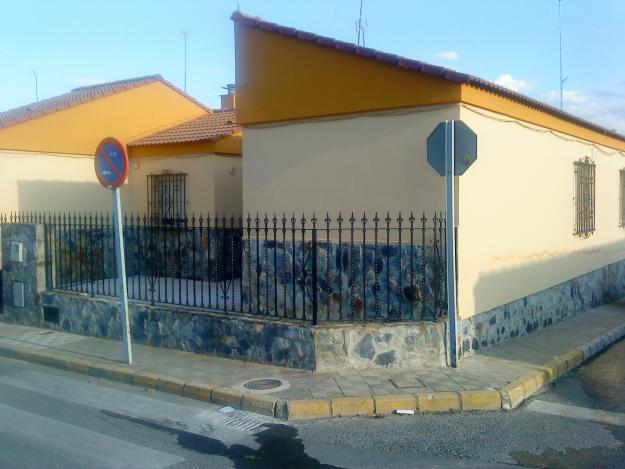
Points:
(263, 384)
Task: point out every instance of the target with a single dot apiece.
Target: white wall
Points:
(516, 206)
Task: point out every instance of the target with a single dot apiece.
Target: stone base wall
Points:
(30, 272)
(542, 309)
(316, 348)
(366, 346)
(257, 340)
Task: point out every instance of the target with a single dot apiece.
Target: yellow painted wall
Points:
(493, 102)
(31, 181)
(55, 182)
(126, 115)
(210, 185)
(361, 163)
(231, 145)
(516, 207)
(280, 78)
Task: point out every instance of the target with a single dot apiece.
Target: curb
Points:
(508, 397)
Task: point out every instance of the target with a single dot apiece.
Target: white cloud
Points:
(447, 55)
(506, 80)
(603, 107)
(87, 81)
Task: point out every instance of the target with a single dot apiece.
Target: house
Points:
(184, 156)
(190, 168)
(331, 127)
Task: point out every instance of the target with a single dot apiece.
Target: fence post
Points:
(314, 274)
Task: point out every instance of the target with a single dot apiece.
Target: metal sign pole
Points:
(451, 241)
(121, 275)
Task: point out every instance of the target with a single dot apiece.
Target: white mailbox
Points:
(17, 251)
(18, 294)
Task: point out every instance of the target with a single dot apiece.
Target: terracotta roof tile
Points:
(81, 95)
(206, 128)
(422, 67)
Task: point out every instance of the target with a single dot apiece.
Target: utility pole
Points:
(562, 79)
(36, 86)
(185, 33)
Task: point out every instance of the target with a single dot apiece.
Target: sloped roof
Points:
(209, 127)
(418, 66)
(81, 95)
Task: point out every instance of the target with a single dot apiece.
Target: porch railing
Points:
(334, 269)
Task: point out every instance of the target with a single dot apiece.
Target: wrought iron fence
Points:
(293, 268)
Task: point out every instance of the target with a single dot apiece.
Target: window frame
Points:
(622, 198)
(585, 197)
(167, 198)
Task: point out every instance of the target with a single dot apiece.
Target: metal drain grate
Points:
(263, 384)
(239, 421)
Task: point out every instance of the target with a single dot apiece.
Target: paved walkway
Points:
(490, 368)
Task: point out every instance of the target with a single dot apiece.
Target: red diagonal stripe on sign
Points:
(113, 168)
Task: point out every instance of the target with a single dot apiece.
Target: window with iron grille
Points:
(622, 195)
(167, 198)
(584, 197)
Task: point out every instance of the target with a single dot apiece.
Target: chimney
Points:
(228, 100)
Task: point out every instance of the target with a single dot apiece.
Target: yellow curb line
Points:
(389, 403)
(440, 401)
(170, 385)
(226, 396)
(507, 397)
(483, 399)
(201, 392)
(145, 379)
(352, 406)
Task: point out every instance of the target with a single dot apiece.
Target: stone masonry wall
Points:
(31, 272)
(542, 309)
(366, 346)
(257, 340)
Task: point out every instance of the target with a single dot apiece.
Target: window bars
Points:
(584, 197)
(333, 269)
(167, 198)
(622, 197)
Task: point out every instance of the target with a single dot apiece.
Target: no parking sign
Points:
(111, 163)
(111, 168)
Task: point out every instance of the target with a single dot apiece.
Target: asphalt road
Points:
(52, 418)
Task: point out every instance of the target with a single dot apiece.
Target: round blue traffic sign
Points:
(111, 163)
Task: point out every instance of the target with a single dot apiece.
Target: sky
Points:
(71, 43)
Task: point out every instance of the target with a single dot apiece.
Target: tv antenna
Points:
(185, 33)
(562, 79)
(361, 26)
(36, 85)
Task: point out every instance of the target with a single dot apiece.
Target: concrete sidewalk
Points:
(496, 377)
